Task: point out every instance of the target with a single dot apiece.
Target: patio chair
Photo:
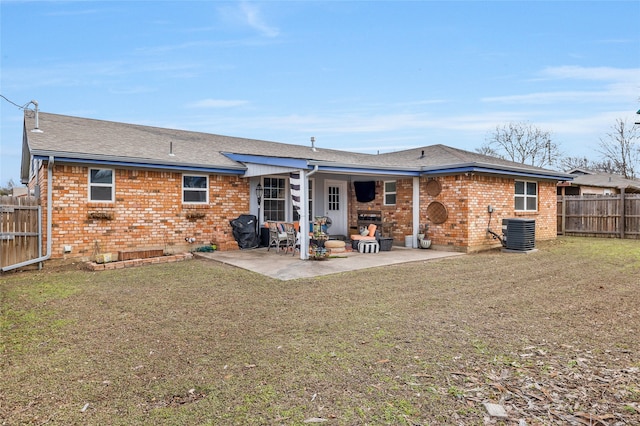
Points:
(371, 233)
(277, 236)
(293, 238)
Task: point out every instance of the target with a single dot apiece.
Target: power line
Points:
(13, 103)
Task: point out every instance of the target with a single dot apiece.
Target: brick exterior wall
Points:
(466, 199)
(147, 213)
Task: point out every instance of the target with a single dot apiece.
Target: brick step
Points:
(139, 254)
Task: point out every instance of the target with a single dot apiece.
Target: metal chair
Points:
(293, 238)
(276, 236)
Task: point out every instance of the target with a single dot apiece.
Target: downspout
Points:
(49, 212)
(304, 236)
(315, 169)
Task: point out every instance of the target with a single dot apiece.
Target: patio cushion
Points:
(334, 244)
(367, 246)
(370, 233)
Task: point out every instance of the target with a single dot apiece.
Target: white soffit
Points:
(262, 170)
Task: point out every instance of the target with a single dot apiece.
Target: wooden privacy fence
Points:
(19, 229)
(616, 215)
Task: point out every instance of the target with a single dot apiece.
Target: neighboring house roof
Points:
(83, 140)
(605, 180)
(581, 171)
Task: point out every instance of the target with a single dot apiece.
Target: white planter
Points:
(410, 241)
(425, 244)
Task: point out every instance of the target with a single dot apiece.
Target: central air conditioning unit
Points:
(519, 234)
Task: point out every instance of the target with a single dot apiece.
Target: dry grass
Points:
(552, 336)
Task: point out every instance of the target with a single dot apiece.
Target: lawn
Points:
(552, 337)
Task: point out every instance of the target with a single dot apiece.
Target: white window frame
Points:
(311, 190)
(285, 198)
(205, 189)
(92, 185)
(525, 196)
(394, 193)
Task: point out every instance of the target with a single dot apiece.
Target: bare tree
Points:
(522, 142)
(6, 189)
(600, 166)
(569, 163)
(621, 149)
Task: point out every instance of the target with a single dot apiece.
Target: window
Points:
(389, 192)
(274, 199)
(101, 185)
(526, 196)
(195, 189)
(333, 198)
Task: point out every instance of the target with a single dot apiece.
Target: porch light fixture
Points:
(259, 193)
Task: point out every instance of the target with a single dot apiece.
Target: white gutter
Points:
(49, 212)
(315, 169)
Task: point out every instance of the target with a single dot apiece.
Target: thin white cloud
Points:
(617, 84)
(216, 103)
(93, 73)
(253, 18)
(132, 90)
(592, 73)
(550, 97)
(75, 12)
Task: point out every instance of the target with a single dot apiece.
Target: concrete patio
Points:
(287, 267)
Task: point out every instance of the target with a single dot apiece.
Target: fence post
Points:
(622, 217)
(564, 214)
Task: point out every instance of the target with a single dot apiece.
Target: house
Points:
(109, 187)
(588, 182)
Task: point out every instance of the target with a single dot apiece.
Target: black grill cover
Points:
(245, 232)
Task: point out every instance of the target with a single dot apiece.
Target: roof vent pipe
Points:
(313, 144)
(37, 126)
(422, 155)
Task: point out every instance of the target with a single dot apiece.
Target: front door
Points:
(336, 206)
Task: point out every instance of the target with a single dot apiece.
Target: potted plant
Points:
(423, 242)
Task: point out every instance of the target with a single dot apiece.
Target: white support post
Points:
(416, 211)
(304, 215)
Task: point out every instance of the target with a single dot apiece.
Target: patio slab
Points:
(287, 267)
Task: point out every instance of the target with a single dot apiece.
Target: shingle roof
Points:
(605, 180)
(98, 140)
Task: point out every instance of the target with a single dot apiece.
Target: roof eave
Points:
(494, 169)
(138, 163)
(329, 166)
(294, 163)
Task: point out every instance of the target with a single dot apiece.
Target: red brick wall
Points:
(147, 212)
(466, 199)
(398, 216)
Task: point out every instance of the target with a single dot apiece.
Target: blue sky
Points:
(367, 76)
